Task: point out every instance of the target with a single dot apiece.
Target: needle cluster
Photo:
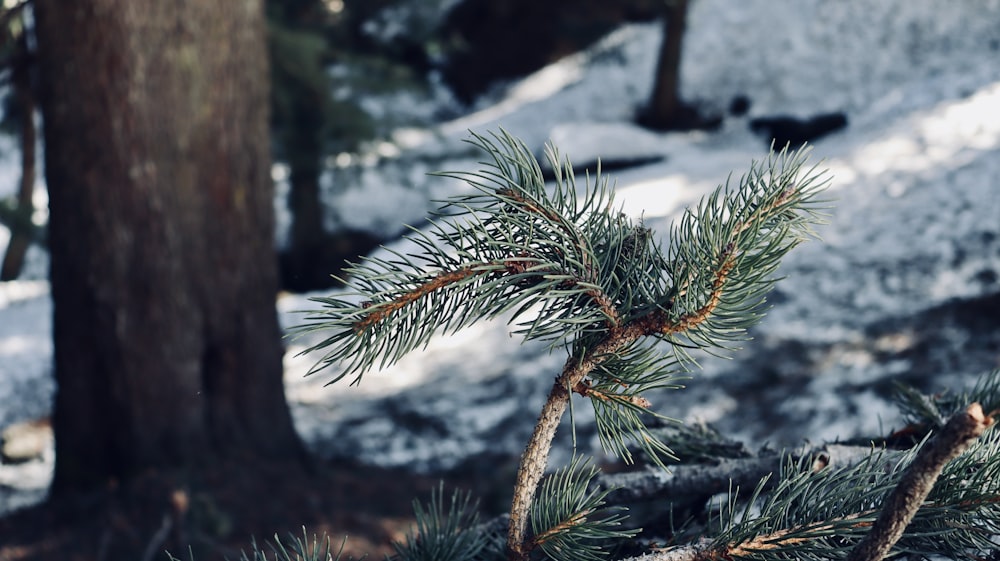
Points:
(568, 268)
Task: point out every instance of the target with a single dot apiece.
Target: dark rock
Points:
(739, 105)
(792, 131)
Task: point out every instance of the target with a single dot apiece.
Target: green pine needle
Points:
(444, 535)
(934, 410)
(821, 514)
(298, 549)
(569, 519)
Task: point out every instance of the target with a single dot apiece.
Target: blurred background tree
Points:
(324, 66)
(308, 124)
(16, 69)
(483, 42)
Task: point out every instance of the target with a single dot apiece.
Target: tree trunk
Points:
(304, 266)
(22, 231)
(164, 275)
(665, 105)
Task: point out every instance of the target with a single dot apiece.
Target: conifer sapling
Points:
(568, 268)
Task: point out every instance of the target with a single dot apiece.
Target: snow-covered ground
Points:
(914, 231)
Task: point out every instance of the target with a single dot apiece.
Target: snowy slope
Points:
(913, 228)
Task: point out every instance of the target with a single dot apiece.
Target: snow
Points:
(25, 351)
(915, 225)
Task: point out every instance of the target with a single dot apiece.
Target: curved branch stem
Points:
(536, 453)
(529, 472)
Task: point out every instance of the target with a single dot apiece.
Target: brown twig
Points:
(904, 501)
(584, 389)
(511, 266)
(691, 319)
(380, 312)
(531, 206)
(575, 520)
(707, 550)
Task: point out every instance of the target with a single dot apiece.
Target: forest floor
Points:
(215, 514)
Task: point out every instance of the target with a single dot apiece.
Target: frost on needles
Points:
(570, 269)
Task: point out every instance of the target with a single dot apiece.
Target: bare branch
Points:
(690, 481)
(902, 504)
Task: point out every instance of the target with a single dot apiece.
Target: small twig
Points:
(104, 544)
(703, 549)
(575, 520)
(156, 542)
(706, 549)
(904, 501)
(584, 389)
(690, 320)
(441, 280)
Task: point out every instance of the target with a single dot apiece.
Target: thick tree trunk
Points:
(665, 107)
(167, 344)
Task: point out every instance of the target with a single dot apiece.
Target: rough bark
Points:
(164, 275)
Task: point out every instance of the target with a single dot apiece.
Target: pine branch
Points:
(825, 513)
(927, 412)
(697, 481)
(582, 277)
(904, 501)
(453, 534)
(298, 549)
(570, 520)
(744, 235)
